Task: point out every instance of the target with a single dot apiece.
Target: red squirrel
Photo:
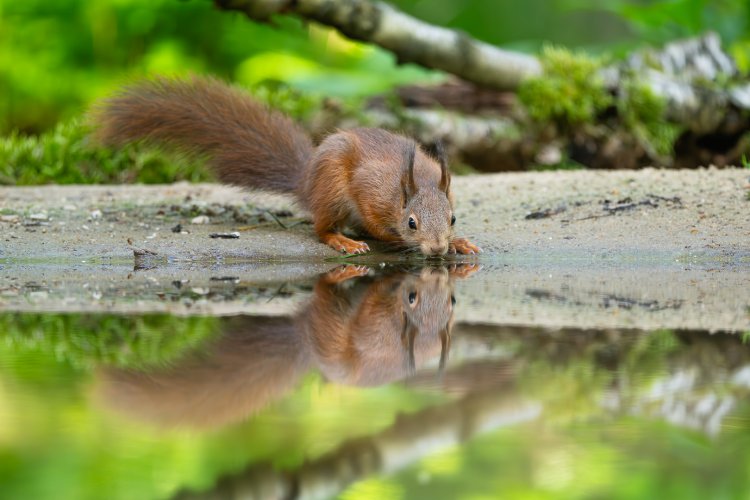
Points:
(367, 179)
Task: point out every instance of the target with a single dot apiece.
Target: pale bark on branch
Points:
(410, 39)
(686, 74)
(702, 89)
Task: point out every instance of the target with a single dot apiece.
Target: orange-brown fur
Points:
(359, 178)
(378, 335)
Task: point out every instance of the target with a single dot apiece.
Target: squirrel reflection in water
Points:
(363, 331)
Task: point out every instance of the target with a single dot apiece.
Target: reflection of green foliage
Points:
(58, 440)
(642, 112)
(622, 458)
(573, 384)
(88, 340)
(568, 389)
(648, 352)
(569, 92)
(578, 449)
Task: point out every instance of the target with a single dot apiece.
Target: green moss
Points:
(569, 92)
(642, 113)
(66, 155)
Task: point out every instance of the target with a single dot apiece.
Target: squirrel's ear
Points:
(408, 334)
(445, 346)
(445, 176)
(408, 186)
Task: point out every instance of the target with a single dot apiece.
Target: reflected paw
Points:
(463, 270)
(345, 272)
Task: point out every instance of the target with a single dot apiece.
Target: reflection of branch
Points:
(408, 440)
(410, 39)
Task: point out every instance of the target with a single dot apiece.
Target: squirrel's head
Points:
(403, 321)
(427, 299)
(427, 218)
(427, 304)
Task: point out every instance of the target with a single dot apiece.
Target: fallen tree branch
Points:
(410, 39)
(692, 112)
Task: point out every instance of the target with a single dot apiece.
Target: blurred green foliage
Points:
(56, 58)
(598, 26)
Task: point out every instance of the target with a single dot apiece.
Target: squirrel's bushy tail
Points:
(246, 143)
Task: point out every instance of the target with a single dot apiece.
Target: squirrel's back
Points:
(246, 143)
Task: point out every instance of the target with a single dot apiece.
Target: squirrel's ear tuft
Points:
(408, 186)
(445, 176)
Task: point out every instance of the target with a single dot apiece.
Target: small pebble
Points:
(39, 216)
(201, 219)
(230, 236)
(96, 214)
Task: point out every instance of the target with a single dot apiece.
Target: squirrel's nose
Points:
(436, 249)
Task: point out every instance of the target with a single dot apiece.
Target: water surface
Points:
(371, 384)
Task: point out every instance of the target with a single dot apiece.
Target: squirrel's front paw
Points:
(342, 244)
(463, 246)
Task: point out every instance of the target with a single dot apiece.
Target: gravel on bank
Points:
(667, 213)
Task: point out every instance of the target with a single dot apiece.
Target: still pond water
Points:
(371, 389)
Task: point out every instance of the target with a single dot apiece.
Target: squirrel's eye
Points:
(412, 297)
(453, 300)
(453, 219)
(412, 223)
